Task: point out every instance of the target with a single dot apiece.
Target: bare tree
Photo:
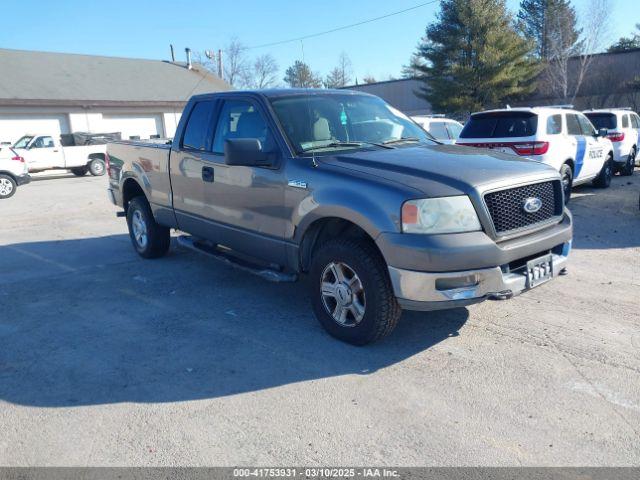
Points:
(563, 74)
(340, 76)
(264, 73)
(369, 79)
(235, 63)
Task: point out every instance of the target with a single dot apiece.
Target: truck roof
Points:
(285, 92)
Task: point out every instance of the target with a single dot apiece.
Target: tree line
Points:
(474, 55)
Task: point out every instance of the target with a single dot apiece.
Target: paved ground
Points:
(107, 359)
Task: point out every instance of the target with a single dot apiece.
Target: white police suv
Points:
(623, 129)
(444, 130)
(558, 136)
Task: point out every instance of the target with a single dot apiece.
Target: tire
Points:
(370, 294)
(567, 181)
(97, 167)
(8, 186)
(149, 239)
(79, 171)
(630, 164)
(603, 180)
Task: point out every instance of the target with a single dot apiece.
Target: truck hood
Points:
(441, 170)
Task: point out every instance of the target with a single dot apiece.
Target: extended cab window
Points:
(197, 129)
(573, 125)
(501, 125)
(43, 142)
(241, 119)
(554, 124)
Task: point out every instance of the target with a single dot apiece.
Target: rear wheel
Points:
(603, 180)
(351, 291)
(567, 181)
(7, 186)
(79, 171)
(630, 164)
(149, 239)
(97, 167)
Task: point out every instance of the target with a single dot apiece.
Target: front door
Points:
(595, 154)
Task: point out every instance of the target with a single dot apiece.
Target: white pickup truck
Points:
(45, 152)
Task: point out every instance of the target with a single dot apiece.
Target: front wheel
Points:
(149, 239)
(7, 186)
(97, 167)
(351, 291)
(567, 181)
(603, 180)
(630, 164)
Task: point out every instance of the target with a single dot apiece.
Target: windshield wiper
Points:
(358, 143)
(401, 140)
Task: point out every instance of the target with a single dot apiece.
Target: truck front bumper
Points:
(433, 272)
(441, 290)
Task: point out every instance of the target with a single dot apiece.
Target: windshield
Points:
(603, 120)
(330, 122)
(23, 142)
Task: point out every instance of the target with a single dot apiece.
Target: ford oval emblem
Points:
(532, 204)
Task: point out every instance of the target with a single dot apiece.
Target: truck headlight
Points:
(440, 215)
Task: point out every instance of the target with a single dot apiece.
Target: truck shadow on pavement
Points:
(90, 323)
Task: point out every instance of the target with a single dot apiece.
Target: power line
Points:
(344, 27)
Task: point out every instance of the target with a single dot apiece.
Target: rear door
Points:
(190, 168)
(595, 154)
(502, 131)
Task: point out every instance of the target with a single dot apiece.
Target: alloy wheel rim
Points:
(342, 294)
(139, 228)
(6, 187)
(98, 167)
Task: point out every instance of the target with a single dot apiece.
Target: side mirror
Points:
(245, 151)
(602, 132)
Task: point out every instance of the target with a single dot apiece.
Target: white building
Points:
(58, 93)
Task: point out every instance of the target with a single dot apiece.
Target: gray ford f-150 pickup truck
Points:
(343, 187)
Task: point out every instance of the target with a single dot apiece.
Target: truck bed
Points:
(151, 160)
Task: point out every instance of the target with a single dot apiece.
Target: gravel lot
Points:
(108, 359)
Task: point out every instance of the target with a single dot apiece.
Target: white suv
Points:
(13, 172)
(560, 137)
(623, 129)
(444, 130)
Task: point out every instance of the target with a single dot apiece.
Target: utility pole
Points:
(220, 65)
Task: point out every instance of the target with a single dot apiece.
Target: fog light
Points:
(457, 282)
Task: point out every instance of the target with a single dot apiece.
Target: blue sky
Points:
(145, 28)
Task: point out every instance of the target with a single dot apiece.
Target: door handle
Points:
(207, 174)
(55, 151)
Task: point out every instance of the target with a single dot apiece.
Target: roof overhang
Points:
(88, 104)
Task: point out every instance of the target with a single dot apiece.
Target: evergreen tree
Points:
(626, 43)
(472, 58)
(300, 75)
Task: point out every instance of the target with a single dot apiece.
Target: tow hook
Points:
(504, 295)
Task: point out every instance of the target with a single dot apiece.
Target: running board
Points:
(266, 273)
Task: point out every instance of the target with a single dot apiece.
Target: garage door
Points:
(14, 126)
(142, 126)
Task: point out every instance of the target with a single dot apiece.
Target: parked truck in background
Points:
(46, 152)
(344, 188)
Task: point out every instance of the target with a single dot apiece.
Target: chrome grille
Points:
(506, 207)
